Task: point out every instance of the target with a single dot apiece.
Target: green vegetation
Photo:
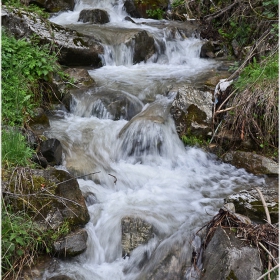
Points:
(177, 3)
(255, 105)
(27, 72)
(17, 4)
(155, 13)
(192, 141)
(23, 240)
(15, 150)
(25, 66)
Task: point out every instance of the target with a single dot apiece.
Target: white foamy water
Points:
(145, 170)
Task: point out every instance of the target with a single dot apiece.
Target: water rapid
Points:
(144, 169)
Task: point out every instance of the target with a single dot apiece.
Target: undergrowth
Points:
(15, 150)
(24, 66)
(255, 111)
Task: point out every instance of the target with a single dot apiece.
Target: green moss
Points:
(80, 42)
(231, 276)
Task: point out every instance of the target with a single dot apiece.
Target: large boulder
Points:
(227, 257)
(94, 16)
(192, 111)
(252, 162)
(139, 42)
(72, 48)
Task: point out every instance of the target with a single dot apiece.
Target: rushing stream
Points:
(144, 169)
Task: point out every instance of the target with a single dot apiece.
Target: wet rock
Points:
(139, 42)
(96, 16)
(51, 149)
(248, 202)
(40, 160)
(236, 48)
(144, 46)
(72, 244)
(131, 9)
(107, 104)
(192, 111)
(54, 6)
(254, 163)
(72, 48)
(81, 77)
(166, 262)
(135, 232)
(134, 136)
(39, 122)
(60, 277)
(207, 50)
(65, 202)
(90, 198)
(226, 257)
(129, 19)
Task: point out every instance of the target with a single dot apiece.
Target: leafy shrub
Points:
(20, 242)
(177, 3)
(15, 150)
(155, 14)
(23, 66)
(192, 141)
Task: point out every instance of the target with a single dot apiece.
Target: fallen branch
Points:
(268, 272)
(219, 13)
(268, 253)
(264, 205)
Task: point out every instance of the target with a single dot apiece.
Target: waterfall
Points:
(145, 170)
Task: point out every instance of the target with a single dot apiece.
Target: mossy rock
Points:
(47, 193)
(39, 121)
(248, 203)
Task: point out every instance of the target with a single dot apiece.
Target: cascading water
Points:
(155, 178)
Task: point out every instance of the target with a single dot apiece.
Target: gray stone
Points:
(192, 111)
(226, 257)
(140, 41)
(144, 46)
(207, 50)
(248, 202)
(65, 202)
(71, 47)
(72, 244)
(135, 232)
(252, 162)
(96, 16)
(51, 149)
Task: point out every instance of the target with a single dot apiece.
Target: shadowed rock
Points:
(94, 16)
